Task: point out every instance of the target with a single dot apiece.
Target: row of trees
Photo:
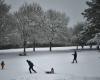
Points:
(31, 25)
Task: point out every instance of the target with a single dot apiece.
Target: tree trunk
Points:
(24, 45)
(77, 47)
(82, 46)
(50, 46)
(90, 46)
(34, 46)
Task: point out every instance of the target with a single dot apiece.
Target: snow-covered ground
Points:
(16, 68)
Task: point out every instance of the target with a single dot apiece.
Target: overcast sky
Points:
(72, 8)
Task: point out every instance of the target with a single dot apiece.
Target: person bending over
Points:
(30, 66)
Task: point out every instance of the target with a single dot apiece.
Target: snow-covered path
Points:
(16, 68)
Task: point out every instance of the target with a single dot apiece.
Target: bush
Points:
(9, 46)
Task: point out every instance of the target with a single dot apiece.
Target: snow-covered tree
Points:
(92, 15)
(78, 27)
(29, 17)
(22, 22)
(78, 37)
(95, 40)
(4, 20)
(34, 15)
(56, 26)
(75, 40)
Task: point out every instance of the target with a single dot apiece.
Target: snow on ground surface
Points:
(16, 68)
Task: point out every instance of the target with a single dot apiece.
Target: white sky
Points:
(72, 8)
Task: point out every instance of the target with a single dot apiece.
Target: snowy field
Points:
(16, 68)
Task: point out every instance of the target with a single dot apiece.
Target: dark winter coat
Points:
(75, 55)
(30, 63)
(2, 63)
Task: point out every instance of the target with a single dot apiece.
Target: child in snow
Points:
(30, 66)
(50, 72)
(2, 65)
(75, 56)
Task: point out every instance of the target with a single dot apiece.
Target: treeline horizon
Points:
(31, 26)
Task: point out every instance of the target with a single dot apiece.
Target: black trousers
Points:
(75, 59)
(31, 69)
(2, 66)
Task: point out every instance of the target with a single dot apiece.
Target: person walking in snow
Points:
(2, 65)
(75, 56)
(30, 66)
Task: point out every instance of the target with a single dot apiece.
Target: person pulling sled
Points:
(30, 66)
